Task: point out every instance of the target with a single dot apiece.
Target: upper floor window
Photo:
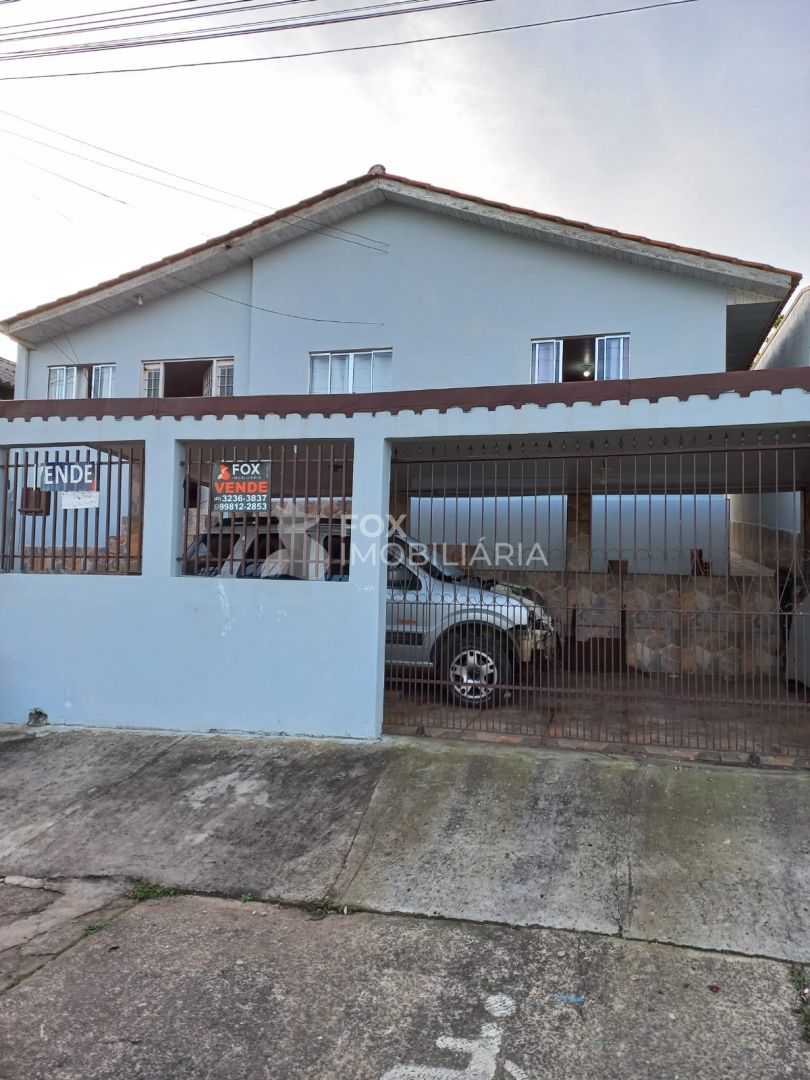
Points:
(578, 359)
(80, 381)
(188, 378)
(350, 372)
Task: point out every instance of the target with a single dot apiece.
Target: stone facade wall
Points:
(675, 625)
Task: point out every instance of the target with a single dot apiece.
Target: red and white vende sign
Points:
(241, 487)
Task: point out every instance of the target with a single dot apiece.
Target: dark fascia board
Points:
(681, 387)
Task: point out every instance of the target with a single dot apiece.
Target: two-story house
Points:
(562, 415)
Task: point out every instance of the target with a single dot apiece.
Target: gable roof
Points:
(749, 283)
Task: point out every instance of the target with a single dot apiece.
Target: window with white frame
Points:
(152, 380)
(581, 359)
(547, 361)
(101, 381)
(200, 377)
(363, 372)
(613, 357)
(80, 381)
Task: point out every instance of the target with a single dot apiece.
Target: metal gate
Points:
(636, 591)
(72, 509)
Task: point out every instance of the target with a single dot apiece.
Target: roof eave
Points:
(209, 258)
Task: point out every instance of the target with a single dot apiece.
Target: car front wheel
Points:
(475, 669)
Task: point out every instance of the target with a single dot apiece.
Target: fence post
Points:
(370, 497)
(162, 503)
(6, 510)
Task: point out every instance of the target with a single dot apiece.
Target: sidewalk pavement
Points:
(710, 857)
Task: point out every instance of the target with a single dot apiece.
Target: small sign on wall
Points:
(241, 487)
(79, 500)
(68, 476)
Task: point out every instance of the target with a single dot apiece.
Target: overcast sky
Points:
(687, 124)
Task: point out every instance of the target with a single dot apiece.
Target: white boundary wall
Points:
(163, 651)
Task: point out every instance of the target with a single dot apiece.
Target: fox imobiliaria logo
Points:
(242, 478)
(241, 486)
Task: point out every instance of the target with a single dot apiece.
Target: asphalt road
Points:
(206, 988)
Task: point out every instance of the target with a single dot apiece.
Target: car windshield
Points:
(424, 555)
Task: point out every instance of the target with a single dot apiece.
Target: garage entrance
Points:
(643, 590)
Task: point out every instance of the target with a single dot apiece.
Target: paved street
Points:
(193, 987)
(605, 917)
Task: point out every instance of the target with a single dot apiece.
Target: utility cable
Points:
(339, 50)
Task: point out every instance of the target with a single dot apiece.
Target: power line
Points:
(194, 11)
(130, 11)
(115, 168)
(272, 311)
(70, 360)
(352, 48)
(379, 246)
(341, 17)
(190, 284)
(137, 207)
(68, 179)
(145, 165)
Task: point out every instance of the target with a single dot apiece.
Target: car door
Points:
(405, 633)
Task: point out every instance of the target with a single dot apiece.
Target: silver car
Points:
(473, 633)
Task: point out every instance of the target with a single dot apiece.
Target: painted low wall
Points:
(158, 650)
(193, 654)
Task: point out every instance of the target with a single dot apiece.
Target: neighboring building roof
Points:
(758, 288)
(791, 336)
(7, 372)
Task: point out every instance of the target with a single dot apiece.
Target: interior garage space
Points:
(644, 589)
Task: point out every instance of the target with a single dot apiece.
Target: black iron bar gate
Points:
(647, 591)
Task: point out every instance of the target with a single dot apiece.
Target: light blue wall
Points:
(188, 323)
(657, 534)
(780, 511)
(534, 527)
(191, 653)
(458, 303)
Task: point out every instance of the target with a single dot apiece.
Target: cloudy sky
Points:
(688, 124)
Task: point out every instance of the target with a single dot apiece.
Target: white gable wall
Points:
(459, 304)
